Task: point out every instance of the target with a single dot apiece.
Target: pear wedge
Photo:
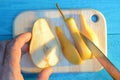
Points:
(44, 50)
(82, 48)
(69, 51)
(88, 32)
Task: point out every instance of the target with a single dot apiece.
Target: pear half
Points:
(44, 50)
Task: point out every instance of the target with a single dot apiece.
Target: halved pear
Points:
(44, 49)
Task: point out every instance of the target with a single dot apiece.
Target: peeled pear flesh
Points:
(44, 49)
(69, 50)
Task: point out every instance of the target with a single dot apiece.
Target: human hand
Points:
(10, 56)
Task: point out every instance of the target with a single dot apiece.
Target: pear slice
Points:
(88, 32)
(69, 51)
(44, 50)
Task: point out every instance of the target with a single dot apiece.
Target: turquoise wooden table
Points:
(9, 9)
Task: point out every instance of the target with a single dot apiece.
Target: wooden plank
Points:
(113, 55)
(5, 37)
(110, 8)
(10, 8)
(114, 49)
(27, 19)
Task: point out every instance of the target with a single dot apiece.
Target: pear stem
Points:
(60, 11)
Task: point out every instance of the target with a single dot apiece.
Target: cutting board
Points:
(24, 23)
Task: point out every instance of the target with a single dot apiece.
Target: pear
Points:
(88, 32)
(69, 51)
(44, 50)
(81, 46)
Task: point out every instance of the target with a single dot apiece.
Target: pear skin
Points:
(88, 32)
(69, 51)
(82, 48)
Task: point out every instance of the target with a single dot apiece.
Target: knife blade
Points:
(104, 61)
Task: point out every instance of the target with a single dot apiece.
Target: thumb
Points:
(45, 73)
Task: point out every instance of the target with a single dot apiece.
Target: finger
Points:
(20, 42)
(44, 75)
(25, 48)
(14, 48)
(22, 39)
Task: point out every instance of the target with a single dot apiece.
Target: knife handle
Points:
(111, 69)
(106, 63)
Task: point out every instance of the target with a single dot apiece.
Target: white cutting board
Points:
(24, 23)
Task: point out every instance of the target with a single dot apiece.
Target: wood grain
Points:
(9, 9)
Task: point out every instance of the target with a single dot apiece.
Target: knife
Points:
(104, 61)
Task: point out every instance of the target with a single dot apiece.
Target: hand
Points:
(10, 55)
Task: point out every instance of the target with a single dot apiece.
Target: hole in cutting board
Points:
(94, 18)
